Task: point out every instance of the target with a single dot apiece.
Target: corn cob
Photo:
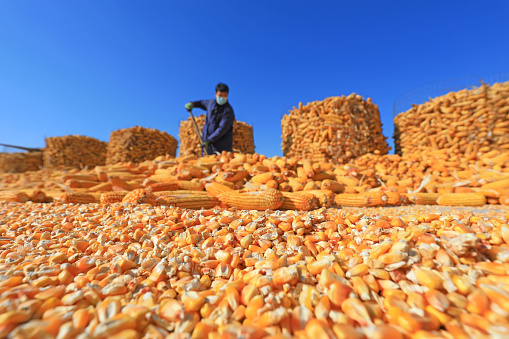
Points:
(296, 184)
(298, 201)
(77, 198)
(261, 200)
(164, 186)
(75, 183)
(308, 168)
(461, 199)
(323, 176)
(333, 185)
(499, 184)
(423, 198)
(263, 178)
(215, 188)
(112, 197)
(190, 185)
(116, 181)
(38, 196)
(284, 187)
(311, 185)
(103, 186)
(196, 201)
(233, 176)
(166, 201)
(504, 199)
(13, 196)
(178, 192)
(367, 199)
(140, 196)
(86, 177)
(347, 181)
(393, 198)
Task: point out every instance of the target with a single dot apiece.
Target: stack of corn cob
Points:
(137, 144)
(74, 151)
(336, 129)
(243, 141)
(20, 162)
(464, 122)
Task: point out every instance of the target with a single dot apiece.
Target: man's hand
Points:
(189, 106)
(206, 144)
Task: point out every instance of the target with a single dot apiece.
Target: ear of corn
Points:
(300, 201)
(164, 186)
(77, 198)
(112, 197)
(333, 185)
(75, 183)
(367, 199)
(140, 196)
(262, 178)
(263, 200)
(215, 188)
(423, 198)
(103, 186)
(190, 185)
(196, 201)
(461, 199)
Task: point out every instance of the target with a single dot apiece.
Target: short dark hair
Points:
(222, 88)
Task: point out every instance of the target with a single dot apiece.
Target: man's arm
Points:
(224, 125)
(200, 104)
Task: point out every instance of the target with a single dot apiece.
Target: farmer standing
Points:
(217, 133)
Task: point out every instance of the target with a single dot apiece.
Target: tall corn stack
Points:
(336, 129)
(465, 122)
(137, 144)
(243, 140)
(20, 162)
(74, 151)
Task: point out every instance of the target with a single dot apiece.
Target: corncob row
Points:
(368, 199)
(461, 199)
(77, 198)
(263, 200)
(298, 201)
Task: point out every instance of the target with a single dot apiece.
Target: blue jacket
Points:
(218, 129)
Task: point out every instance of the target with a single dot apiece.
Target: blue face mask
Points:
(221, 100)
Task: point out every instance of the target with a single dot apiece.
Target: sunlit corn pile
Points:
(137, 144)
(463, 122)
(336, 129)
(74, 151)
(243, 140)
(20, 162)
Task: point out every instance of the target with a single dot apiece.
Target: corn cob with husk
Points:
(260, 200)
(112, 197)
(367, 199)
(140, 196)
(299, 201)
(77, 198)
(461, 199)
(13, 196)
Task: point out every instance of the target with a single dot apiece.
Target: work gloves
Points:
(189, 106)
(206, 144)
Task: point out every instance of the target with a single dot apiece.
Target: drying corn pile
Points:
(74, 151)
(243, 141)
(336, 129)
(466, 122)
(20, 162)
(137, 144)
(124, 250)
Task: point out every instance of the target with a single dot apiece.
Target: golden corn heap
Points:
(336, 129)
(20, 162)
(245, 181)
(243, 140)
(74, 151)
(137, 144)
(464, 122)
(137, 271)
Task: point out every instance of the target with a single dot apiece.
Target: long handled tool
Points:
(197, 132)
(29, 149)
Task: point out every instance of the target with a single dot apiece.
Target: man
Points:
(217, 134)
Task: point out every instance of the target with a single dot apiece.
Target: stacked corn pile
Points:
(336, 129)
(125, 271)
(20, 162)
(137, 144)
(465, 122)
(253, 181)
(74, 151)
(243, 141)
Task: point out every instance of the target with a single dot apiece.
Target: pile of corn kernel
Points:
(139, 271)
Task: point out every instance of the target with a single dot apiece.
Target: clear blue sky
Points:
(90, 67)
